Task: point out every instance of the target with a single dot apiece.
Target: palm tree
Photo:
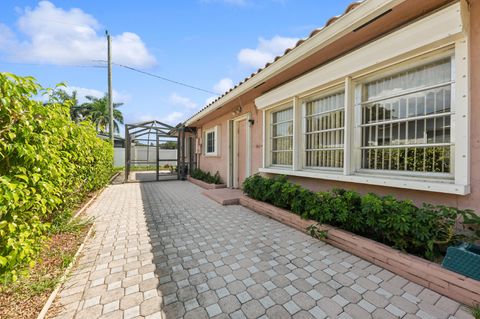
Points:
(97, 110)
(76, 111)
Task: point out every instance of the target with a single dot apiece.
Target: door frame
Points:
(232, 180)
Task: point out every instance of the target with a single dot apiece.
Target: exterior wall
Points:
(220, 162)
(471, 200)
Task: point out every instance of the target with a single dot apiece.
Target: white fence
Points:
(143, 153)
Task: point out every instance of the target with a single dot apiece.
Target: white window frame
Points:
(268, 114)
(215, 152)
(408, 65)
(303, 102)
(443, 31)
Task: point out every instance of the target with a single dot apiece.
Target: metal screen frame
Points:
(143, 131)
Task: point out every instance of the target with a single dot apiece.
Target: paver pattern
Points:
(163, 250)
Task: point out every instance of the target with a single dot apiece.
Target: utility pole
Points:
(109, 100)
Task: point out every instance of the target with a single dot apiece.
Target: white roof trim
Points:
(344, 25)
(432, 32)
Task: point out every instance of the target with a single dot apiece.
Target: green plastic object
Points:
(463, 259)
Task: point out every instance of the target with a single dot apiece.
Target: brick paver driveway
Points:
(163, 250)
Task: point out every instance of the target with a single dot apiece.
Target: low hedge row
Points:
(424, 231)
(48, 164)
(207, 177)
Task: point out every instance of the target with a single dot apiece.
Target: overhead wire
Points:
(161, 77)
(119, 65)
(53, 64)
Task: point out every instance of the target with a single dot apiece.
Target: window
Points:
(402, 120)
(282, 137)
(211, 142)
(405, 120)
(324, 131)
(399, 125)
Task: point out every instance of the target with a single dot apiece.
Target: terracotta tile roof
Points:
(330, 21)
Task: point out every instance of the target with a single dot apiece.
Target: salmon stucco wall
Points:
(220, 162)
(471, 200)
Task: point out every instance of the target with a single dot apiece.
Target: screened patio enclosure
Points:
(151, 152)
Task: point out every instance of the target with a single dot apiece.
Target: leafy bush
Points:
(424, 231)
(48, 164)
(207, 177)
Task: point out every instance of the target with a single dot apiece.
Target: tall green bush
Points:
(48, 164)
(423, 231)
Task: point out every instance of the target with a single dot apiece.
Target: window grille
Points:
(406, 120)
(282, 137)
(324, 131)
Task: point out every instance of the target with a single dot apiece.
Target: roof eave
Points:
(335, 28)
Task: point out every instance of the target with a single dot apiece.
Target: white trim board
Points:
(424, 185)
(432, 32)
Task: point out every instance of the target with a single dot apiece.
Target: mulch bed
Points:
(26, 297)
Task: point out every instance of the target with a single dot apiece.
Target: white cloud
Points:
(59, 36)
(139, 117)
(186, 102)
(223, 85)
(173, 118)
(210, 100)
(220, 87)
(7, 37)
(118, 97)
(266, 51)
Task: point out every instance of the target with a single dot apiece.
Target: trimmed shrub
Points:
(424, 231)
(207, 177)
(48, 164)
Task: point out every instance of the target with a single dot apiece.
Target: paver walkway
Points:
(163, 250)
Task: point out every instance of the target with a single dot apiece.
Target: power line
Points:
(161, 77)
(165, 79)
(53, 64)
(117, 64)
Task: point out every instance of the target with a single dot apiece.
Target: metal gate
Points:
(151, 152)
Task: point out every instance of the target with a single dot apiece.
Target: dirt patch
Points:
(26, 297)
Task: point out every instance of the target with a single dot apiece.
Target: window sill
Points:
(211, 155)
(428, 185)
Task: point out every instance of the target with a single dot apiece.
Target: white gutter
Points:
(342, 26)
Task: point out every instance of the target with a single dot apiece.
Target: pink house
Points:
(384, 98)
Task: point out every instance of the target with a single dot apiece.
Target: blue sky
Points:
(206, 43)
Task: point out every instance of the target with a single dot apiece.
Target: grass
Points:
(26, 297)
(475, 311)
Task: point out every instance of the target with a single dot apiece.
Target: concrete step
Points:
(224, 196)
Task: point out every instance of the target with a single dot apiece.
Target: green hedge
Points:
(424, 231)
(48, 164)
(207, 177)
